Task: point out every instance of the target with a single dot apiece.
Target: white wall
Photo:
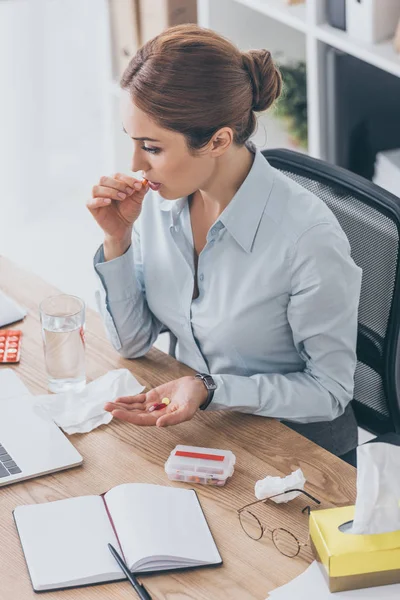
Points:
(54, 135)
(53, 75)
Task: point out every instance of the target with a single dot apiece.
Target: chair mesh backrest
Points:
(374, 241)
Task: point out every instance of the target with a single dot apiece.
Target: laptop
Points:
(31, 444)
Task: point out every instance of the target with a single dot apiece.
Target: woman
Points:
(251, 272)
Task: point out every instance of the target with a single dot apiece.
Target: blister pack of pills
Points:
(10, 345)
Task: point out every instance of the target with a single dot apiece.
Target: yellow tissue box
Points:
(350, 561)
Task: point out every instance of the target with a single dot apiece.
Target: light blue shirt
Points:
(275, 322)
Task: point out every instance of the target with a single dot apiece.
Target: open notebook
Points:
(158, 528)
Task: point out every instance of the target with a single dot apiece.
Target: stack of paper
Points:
(311, 585)
(387, 170)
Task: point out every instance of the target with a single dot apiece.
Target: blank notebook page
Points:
(66, 541)
(162, 522)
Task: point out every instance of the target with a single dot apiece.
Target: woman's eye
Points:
(151, 150)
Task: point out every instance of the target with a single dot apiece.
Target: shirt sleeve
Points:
(121, 299)
(322, 313)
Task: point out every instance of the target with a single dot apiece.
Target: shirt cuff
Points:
(234, 392)
(117, 275)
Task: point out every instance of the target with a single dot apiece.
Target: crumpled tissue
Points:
(80, 412)
(269, 486)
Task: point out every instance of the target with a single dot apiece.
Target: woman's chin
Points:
(167, 195)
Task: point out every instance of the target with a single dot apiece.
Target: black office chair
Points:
(370, 217)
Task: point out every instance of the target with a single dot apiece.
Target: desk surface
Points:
(120, 452)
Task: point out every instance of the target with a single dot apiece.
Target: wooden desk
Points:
(119, 453)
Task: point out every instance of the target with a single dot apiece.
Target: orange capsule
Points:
(144, 182)
(156, 406)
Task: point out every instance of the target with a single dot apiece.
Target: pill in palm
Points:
(156, 406)
(166, 401)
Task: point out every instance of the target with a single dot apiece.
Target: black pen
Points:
(140, 589)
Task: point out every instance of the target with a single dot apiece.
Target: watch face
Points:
(209, 381)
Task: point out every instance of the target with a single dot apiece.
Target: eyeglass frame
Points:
(263, 528)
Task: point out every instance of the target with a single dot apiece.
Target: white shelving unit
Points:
(380, 55)
(260, 23)
(293, 15)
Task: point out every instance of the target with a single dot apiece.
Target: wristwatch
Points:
(210, 387)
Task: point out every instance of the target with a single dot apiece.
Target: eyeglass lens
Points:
(251, 525)
(285, 542)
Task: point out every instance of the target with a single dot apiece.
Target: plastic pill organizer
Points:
(200, 465)
(10, 345)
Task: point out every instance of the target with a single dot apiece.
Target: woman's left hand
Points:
(186, 395)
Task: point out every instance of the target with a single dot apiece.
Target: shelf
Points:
(291, 15)
(380, 55)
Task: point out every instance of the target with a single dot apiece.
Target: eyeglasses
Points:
(283, 539)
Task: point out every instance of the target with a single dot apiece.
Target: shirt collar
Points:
(243, 214)
(173, 206)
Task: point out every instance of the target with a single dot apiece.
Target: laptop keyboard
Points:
(7, 465)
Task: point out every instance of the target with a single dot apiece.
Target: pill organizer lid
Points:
(194, 460)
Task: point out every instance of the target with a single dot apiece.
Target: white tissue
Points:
(378, 489)
(270, 486)
(80, 412)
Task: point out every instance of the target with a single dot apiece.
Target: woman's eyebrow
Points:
(142, 139)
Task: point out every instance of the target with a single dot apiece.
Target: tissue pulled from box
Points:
(269, 486)
(377, 507)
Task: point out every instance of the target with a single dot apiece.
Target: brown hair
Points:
(191, 80)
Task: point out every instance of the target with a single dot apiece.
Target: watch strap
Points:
(210, 387)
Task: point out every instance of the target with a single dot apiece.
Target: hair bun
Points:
(265, 78)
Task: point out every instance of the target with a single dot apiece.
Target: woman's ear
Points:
(221, 141)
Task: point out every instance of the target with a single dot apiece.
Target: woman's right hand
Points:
(116, 204)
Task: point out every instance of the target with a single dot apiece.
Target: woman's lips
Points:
(154, 186)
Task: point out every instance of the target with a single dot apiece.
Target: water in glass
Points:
(64, 342)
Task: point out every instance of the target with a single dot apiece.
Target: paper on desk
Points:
(80, 412)
(10, 311)
(311, 585)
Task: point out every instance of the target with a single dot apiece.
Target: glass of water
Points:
(63, 333)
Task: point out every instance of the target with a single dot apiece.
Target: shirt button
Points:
(201, 277)
(214, 230)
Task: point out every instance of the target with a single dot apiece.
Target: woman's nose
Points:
(139, 163)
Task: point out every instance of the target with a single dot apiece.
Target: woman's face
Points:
(163, 156)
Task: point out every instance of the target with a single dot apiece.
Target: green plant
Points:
(292, 105)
